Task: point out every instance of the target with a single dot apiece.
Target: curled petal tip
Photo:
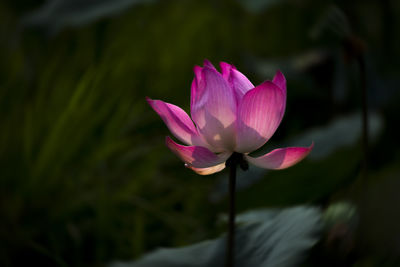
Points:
(226, 66)
(236, 80)
(197, 73)
(311, 146)
(196, 68)
(208, 64)
(150, 102)
(225, 69)
(280, 80)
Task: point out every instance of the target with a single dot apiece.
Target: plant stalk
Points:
(230, 254)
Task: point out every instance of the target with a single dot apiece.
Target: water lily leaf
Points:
(266, 238)
(58, 14)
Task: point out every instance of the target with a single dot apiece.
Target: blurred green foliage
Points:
(85, 176)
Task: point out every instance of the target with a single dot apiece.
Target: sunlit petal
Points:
(259, 115)
(281, 158)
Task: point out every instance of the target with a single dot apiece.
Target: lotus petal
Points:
(259, 114)
(177, 121)
(280, 80)
(281, 158)
(236, 80)
(213, 109)
(196, 156)
(207, 171)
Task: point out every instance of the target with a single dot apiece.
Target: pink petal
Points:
(281, 158)
(259, 115)
(226, 70)
(213, 109)
(208, 64)
(177, 121)
(196, 80)
(236, 80)
(195, 156)
(197, 72)
(207, 171)
(280, 80)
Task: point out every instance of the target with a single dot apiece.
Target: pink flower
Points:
(228, 115)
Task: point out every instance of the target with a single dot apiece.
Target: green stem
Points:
(230, 255)
(235, 160)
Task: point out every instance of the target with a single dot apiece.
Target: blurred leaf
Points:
(258, 6)
(308, 181)
(332, 20)
(341, 212)
(291, 65)
(379, 212)
(340, 133)
(58, 14)
(267, 238)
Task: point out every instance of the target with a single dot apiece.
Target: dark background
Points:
(85, 177)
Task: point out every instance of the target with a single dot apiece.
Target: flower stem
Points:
(230, 254)
(236, 159)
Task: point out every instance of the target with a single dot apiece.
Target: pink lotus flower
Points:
(229, 115)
